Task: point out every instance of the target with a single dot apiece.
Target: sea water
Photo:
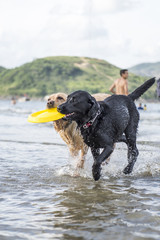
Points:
(42, 197)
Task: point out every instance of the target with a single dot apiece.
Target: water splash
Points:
(148, 164)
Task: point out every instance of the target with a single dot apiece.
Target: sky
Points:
(122, 32)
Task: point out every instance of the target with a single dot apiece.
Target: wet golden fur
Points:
(68, 130)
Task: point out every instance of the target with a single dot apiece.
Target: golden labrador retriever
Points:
(68, 130)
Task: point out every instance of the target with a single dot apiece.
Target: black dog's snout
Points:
(60, 108)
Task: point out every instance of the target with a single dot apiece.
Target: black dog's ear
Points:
(94, 106)
(91, 100)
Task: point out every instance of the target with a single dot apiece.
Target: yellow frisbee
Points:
(46, 115)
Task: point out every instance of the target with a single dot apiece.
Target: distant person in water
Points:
(120, 85)
(140, 107)
(13, 101)
(158, 88)
(145, 107)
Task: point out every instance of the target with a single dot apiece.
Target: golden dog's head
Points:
(56, 99)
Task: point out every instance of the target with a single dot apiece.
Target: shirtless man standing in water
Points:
(120, 86)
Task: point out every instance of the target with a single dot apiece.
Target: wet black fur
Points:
(118, 116)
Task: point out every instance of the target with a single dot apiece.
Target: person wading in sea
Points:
(158, 89)
(120, 85)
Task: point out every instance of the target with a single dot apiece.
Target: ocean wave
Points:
(15, 110)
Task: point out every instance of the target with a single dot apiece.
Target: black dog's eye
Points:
(72, 99)
(60, 98)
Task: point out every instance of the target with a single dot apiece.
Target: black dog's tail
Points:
(142, 89)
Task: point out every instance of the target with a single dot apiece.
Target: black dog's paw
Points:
(128, 169)
(96, 171)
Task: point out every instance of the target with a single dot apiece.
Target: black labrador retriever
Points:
(104, 123)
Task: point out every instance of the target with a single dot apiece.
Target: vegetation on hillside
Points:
(147, 69)
(63, 74)
(1, 69)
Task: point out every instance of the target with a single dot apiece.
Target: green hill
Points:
(147, 69)
(66, 74)
(1, 69)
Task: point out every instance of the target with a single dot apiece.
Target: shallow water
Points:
(41, 198)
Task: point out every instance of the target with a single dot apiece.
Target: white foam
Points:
(148, 164)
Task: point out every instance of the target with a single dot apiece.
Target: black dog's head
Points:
(80, 106)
